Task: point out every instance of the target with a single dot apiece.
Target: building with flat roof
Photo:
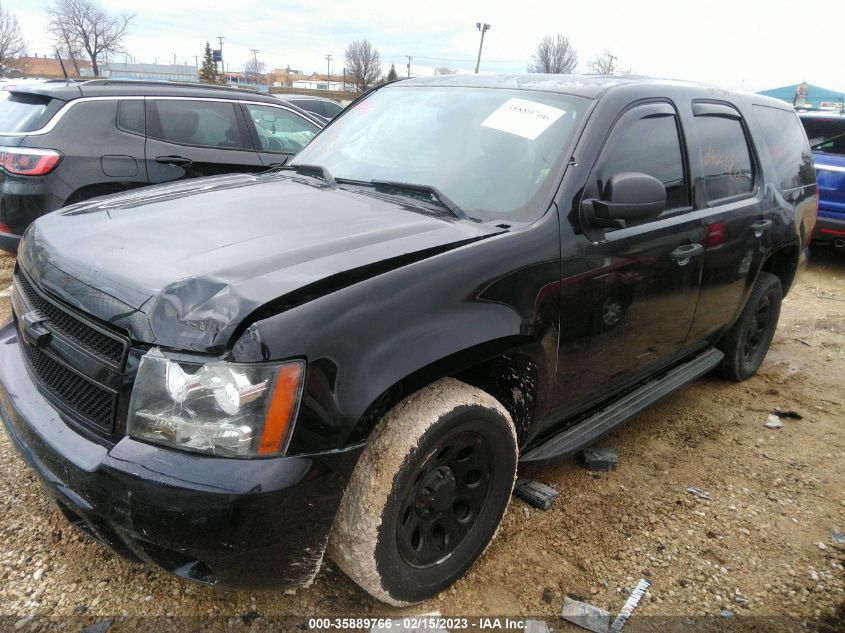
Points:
(168, 72)
(806, 96)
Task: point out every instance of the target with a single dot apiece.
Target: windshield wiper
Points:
(428, 190)
(310, 170)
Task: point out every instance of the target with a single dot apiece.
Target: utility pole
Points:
(255, 52)
(328, 72)
(220, 39)
(409, 65)
(483, 28)
(197, 61)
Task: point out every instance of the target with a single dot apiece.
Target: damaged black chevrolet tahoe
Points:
(230, 377)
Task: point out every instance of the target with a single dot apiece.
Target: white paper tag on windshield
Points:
(524, 118)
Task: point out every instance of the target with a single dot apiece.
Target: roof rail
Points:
(164, 82)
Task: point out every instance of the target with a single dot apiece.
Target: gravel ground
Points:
(761, 546)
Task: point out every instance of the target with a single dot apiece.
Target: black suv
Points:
(228, 377)
(63, 142)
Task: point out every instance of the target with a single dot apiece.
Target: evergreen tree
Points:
(391, 75)
(208, 70)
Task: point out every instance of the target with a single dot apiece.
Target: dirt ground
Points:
(761, 546)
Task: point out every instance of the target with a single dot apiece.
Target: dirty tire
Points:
(747, 342)
(427, 494)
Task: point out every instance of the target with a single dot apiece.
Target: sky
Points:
(734, 44)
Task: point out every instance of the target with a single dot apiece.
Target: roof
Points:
(67, 91)
(590, 86)
(823, 114)
(176, 69)
(286, 97)
(815, 95)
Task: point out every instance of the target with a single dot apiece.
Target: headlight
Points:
(219, 408)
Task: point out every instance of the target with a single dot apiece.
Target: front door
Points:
(628, 294)
(189, 138)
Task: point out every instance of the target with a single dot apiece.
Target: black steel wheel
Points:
(445, 498)
(747, 342)
(428, 493)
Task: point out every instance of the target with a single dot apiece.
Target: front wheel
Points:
(747, 342)
(427, 494)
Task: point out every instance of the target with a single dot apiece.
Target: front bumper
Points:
(225, 522)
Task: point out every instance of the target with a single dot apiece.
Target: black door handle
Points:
(760, 227)
(684, 253)
(173, 160)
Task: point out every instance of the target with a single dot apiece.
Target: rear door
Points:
(189, 138)
(739, 214)
(278, 132)
(628, 296)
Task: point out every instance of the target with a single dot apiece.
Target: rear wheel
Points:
(748, 341)
(428, 493)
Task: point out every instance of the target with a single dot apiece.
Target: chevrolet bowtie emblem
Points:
(33, 329)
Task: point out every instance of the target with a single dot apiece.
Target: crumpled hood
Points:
(182, 265)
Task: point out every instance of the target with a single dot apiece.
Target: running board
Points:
(603, 421)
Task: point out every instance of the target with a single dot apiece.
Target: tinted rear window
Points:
(787, 146)
(21, 112)
(826, 135)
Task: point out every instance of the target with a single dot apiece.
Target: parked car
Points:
(228, 377)
(71, 141)
(326, 109)
(826, 131)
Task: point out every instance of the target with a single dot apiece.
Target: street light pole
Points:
(483, 28)
(328, 71)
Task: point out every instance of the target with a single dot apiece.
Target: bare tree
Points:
(445, 70)
(364, 64)
(607, 64)
(65, 46)
(12, 44)
(555, 54)
(254, 68)
(86, 26)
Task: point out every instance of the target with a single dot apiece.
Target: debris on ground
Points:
(601, 459)
(789, 415)
(837, 537)
(773, 422)
(726, 614)
(536, 626)
(585, 615)
(698, 492)
(630, 604)
(99, 627)
(535, 493)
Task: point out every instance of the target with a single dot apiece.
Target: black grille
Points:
(70, 327)
(72, 390)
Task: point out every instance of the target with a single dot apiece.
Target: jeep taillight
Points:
(23, 161)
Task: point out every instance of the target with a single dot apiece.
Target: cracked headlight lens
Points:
(218, 408)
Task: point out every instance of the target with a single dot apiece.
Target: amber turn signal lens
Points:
(282, 409)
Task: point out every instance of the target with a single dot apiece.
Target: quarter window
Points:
(280, 130)
(787, 146)
(130, 115)
(725, 157)
(649, 145)
(195, 122)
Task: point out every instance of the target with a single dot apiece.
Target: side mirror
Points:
(628, 197)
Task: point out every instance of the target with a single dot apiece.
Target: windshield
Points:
(490, 151)
(826, 135)
(19, 112)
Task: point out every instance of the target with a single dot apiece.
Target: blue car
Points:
(826, 133)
